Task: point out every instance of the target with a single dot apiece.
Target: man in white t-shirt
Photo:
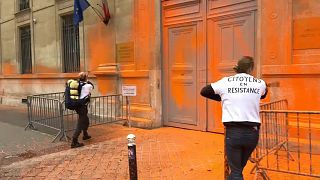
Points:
(82, 111)
(240, 95)
(86, 90)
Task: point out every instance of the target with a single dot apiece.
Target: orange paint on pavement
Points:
(164, 153)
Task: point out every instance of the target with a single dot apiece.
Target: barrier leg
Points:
(257, 171)
(285, 148)
(29, 125)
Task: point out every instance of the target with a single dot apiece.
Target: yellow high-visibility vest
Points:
(74, 88)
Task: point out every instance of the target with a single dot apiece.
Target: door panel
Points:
(231, 37)
(182, 74)
(226, 3)
(182, 62)
(202, 40)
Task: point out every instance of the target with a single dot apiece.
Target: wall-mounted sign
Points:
(129, 90)
(306, 33)
(125, 52)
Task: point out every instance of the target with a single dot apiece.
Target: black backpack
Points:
(72, 94)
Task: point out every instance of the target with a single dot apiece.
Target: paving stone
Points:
(164, 153)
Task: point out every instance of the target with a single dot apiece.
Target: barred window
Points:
(23, 4)
(25, 50)
(70, 45)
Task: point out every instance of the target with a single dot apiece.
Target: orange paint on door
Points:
(184, 56)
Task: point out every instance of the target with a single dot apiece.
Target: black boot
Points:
(86, 136)
(75, 143)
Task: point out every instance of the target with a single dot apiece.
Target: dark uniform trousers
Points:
(240, 143)
(83, 121)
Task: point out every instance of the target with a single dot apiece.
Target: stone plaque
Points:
(306, 33)
(125, 52)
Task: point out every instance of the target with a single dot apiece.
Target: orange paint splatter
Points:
(9, 69)
(46, 69)
(100, 46)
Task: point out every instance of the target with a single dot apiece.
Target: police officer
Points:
(82, 111)
(240, 95)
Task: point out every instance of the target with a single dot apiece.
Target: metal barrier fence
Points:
(300, 154)
(275, 105)
(273, 134)
(58, 96)
(101, 110)
(45, 112)
(289, 141)
(48, 110)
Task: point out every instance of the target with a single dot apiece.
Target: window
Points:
(70, 45)
(25, 50)
(23, 4)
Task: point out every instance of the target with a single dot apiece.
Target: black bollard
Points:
(132, 157)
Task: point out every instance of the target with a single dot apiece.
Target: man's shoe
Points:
(76, 144)
(86, 137)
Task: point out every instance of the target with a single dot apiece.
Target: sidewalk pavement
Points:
(16, 143)
(164, 153)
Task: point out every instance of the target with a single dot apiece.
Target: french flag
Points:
(106, 12)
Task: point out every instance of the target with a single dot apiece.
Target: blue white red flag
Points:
(106, 12)
(79, 7)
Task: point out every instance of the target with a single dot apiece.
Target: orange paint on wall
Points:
(298, 84)
(100, 46)
(8, 68)
(301, 92)
(106, 86)
(45, 69)
(102, 43)
(144, 29)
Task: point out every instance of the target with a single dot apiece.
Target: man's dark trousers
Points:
(83, 121)
(240, 143)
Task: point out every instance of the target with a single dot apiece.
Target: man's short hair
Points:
(83, 76)
(244, 64)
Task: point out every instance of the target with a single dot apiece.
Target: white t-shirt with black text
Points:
(240, 97)
(86, 90)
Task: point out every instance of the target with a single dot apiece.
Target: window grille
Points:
(23, 4)
(25, 49)
(70, 45)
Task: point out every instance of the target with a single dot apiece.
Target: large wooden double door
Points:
(202, 40)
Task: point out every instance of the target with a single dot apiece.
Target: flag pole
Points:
(97, 12)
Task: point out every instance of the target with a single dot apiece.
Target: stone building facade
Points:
(134, 28)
